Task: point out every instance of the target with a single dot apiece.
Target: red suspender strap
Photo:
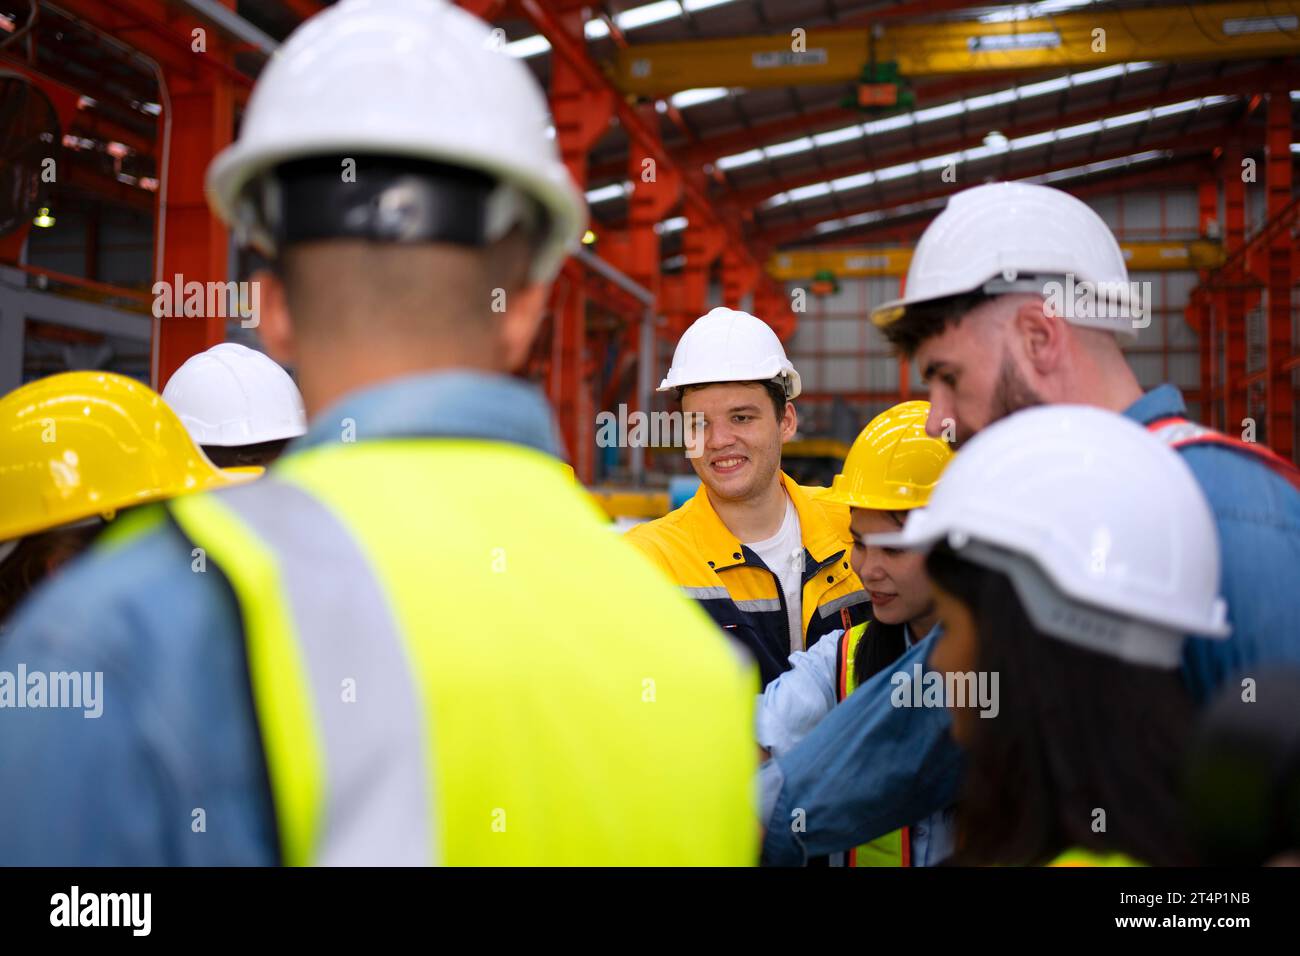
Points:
(1178, 432)
(906, 834)
(845, 663)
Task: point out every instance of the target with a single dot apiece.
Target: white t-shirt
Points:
(783, 555)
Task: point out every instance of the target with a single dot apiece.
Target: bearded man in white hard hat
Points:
(238, 405)
(324, 688)
(1018, 295)
(769, 562)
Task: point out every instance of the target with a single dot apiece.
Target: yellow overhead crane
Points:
(847, 263)
(1186, 31)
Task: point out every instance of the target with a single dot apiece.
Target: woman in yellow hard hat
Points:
(75, 449)
(890, 470)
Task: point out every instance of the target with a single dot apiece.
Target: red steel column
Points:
(193, 240)
(1234, 316)
(581, 117)
(702, 245)
(656, 189)
(1209, 213)
(1279, 418)
(739, 277)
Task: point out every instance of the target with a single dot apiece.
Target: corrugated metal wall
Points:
(843, 358)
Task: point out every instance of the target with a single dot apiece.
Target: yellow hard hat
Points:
(893, 464)
(80, 444)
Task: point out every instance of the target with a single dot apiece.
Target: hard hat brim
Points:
(922, 538)
(890, 312)
(239, 474)
(901, 540)
(865, 502)
(239, 164)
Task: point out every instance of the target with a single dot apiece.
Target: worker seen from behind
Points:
(241, 407)
(76, 450)
(767, 560)
(378, 660)
(985, 321)
(891, 469)
(1070, 552)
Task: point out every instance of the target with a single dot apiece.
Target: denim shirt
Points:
(869, 768)
(791, 706)
(173, 771)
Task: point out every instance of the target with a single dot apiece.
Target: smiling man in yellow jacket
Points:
(769, 562)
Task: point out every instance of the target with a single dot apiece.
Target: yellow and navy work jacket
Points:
(425, 690)
(742, 595)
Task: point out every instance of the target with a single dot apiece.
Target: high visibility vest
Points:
(454, 662)
(1178, 432)
(892, 849)
(1080, 857)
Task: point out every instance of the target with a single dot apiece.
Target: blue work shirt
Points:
(869, 768)
(792, 704)
(932, 837)
(173, 771)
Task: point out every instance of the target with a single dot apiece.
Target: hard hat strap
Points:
(1030, 283)
(386, 199)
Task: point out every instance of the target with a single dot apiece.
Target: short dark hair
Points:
(35, 558)
(242, 456)
(1063, 742)
(927, 319)
(775, 391)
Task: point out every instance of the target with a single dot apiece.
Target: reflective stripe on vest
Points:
(1178, 432)
(892, 849)
(516, 686)
(373, 804)
(1079, 857)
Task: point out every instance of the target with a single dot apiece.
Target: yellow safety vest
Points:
(454, 662)
(1080, 857)
(892, 849)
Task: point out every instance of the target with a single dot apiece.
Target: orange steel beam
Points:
(581, 110)
(200, 85)
(1233, 303)
(192, 242)
(746, 198)
(563, 31)
(305, 8)
(642, 137)
(1280, 397)
(66, 97)
(709, 148)
(907, 229)
(816, 121)
(166, 39)
(1201, 318)
(788, 232)
(102, 288)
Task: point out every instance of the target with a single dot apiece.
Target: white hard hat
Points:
(1101, 527)
(727, 345)
(415, 79)
(232, 395)
(1017, 237)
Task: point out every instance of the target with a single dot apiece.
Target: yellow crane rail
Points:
(1187, 31)
(849, 263)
